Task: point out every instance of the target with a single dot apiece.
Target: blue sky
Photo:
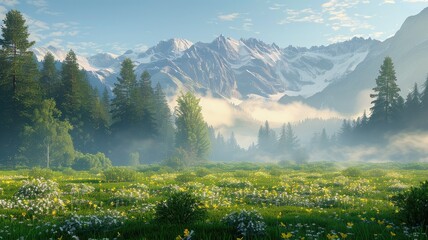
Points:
(91, 26)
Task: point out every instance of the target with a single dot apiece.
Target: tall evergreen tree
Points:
(192, 131)
(147, 106)
(19, 91)
(424, 105)
(49, 79)
(163, 118)
(121, 108)
(386, 96)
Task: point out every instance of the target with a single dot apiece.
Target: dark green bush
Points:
(413, 204)
(87, 161)
(352, 172)
(180, 208)
(37, 172)
(120, 174)
(185, 177)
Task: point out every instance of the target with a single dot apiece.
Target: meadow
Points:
(309, 201)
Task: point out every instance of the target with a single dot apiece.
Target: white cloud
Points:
(141, 47)
(228, 17)
(304, 15)
(339, 18)
(388, 1)
(9, 3)
(38, 3)
(416, 1)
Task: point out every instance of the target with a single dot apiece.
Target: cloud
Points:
(228, 17)
(304, 15)
(338, 17)
(42, 7)
(388, 1)
(245, 25)
(276, 6)
(416, 1)
(141, 47)
(3, 11)
(9, 3)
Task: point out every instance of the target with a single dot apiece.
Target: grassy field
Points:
(312, 201)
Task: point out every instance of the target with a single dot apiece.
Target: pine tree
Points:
(121, 109)
(147, 106)
(192, 131)
(386, 97)
(49, 79)
(424, 105)
(19, 91)
(163, 118)
(412, 107)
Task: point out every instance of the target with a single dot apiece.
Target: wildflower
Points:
(178, 237)
(332, 236)
(53, 212)
(282, 224)
(343, 235)
(372, 219)
(23, 214)
(186, 232)
(349, 225)
(286, 236)
(240, 238)
(388, 226)
(380, 222)
(393, 234)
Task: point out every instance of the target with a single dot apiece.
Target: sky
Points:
(92, 26)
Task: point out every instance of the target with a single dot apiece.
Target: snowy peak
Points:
(102, 60)
(169, 49)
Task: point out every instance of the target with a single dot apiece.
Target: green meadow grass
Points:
(311, 201)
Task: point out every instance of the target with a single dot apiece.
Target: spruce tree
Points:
(386, 97)
(147, 106)
(192, 131)
(19, 89)
(49, 78)
(163, 118)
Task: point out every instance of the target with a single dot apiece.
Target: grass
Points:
(309, 201)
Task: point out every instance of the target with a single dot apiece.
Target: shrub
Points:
(352, 172)
(246, 223)
(87, 161)
(37, 172)
(185, 177)
(120, 174)
(180, 208)
(38, 188)
(414, 204)
(202, 172)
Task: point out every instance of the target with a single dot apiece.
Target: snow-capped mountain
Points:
(231, 68)
(330, 76)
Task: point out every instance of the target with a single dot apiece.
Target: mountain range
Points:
(330, 76)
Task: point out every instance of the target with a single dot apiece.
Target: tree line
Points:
(53, 117)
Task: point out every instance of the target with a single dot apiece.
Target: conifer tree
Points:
(192, 131)
(386, 97)
(19, 89)
(49, 78)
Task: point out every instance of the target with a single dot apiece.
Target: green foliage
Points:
(352, 172)
(180, 208)
(192, 131)
(246, 224)
(91, 161)
(38, 188)
(120, 174)
(38, 172)
(185, 177)
(47, 141)
(386, 97)
(413, 204)
(180, 159)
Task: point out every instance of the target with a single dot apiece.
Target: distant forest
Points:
(52, 117)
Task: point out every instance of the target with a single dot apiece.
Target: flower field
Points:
(312, 201)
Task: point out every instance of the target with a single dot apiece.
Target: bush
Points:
(38, 188)
(180, 208)
(185, 177)
(120, 174)
(202, 172)
(414, 204)
(246, 223)
(352, 172)
(37, 172)
(87, 161)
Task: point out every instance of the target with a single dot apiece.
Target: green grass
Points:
(312, 201)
